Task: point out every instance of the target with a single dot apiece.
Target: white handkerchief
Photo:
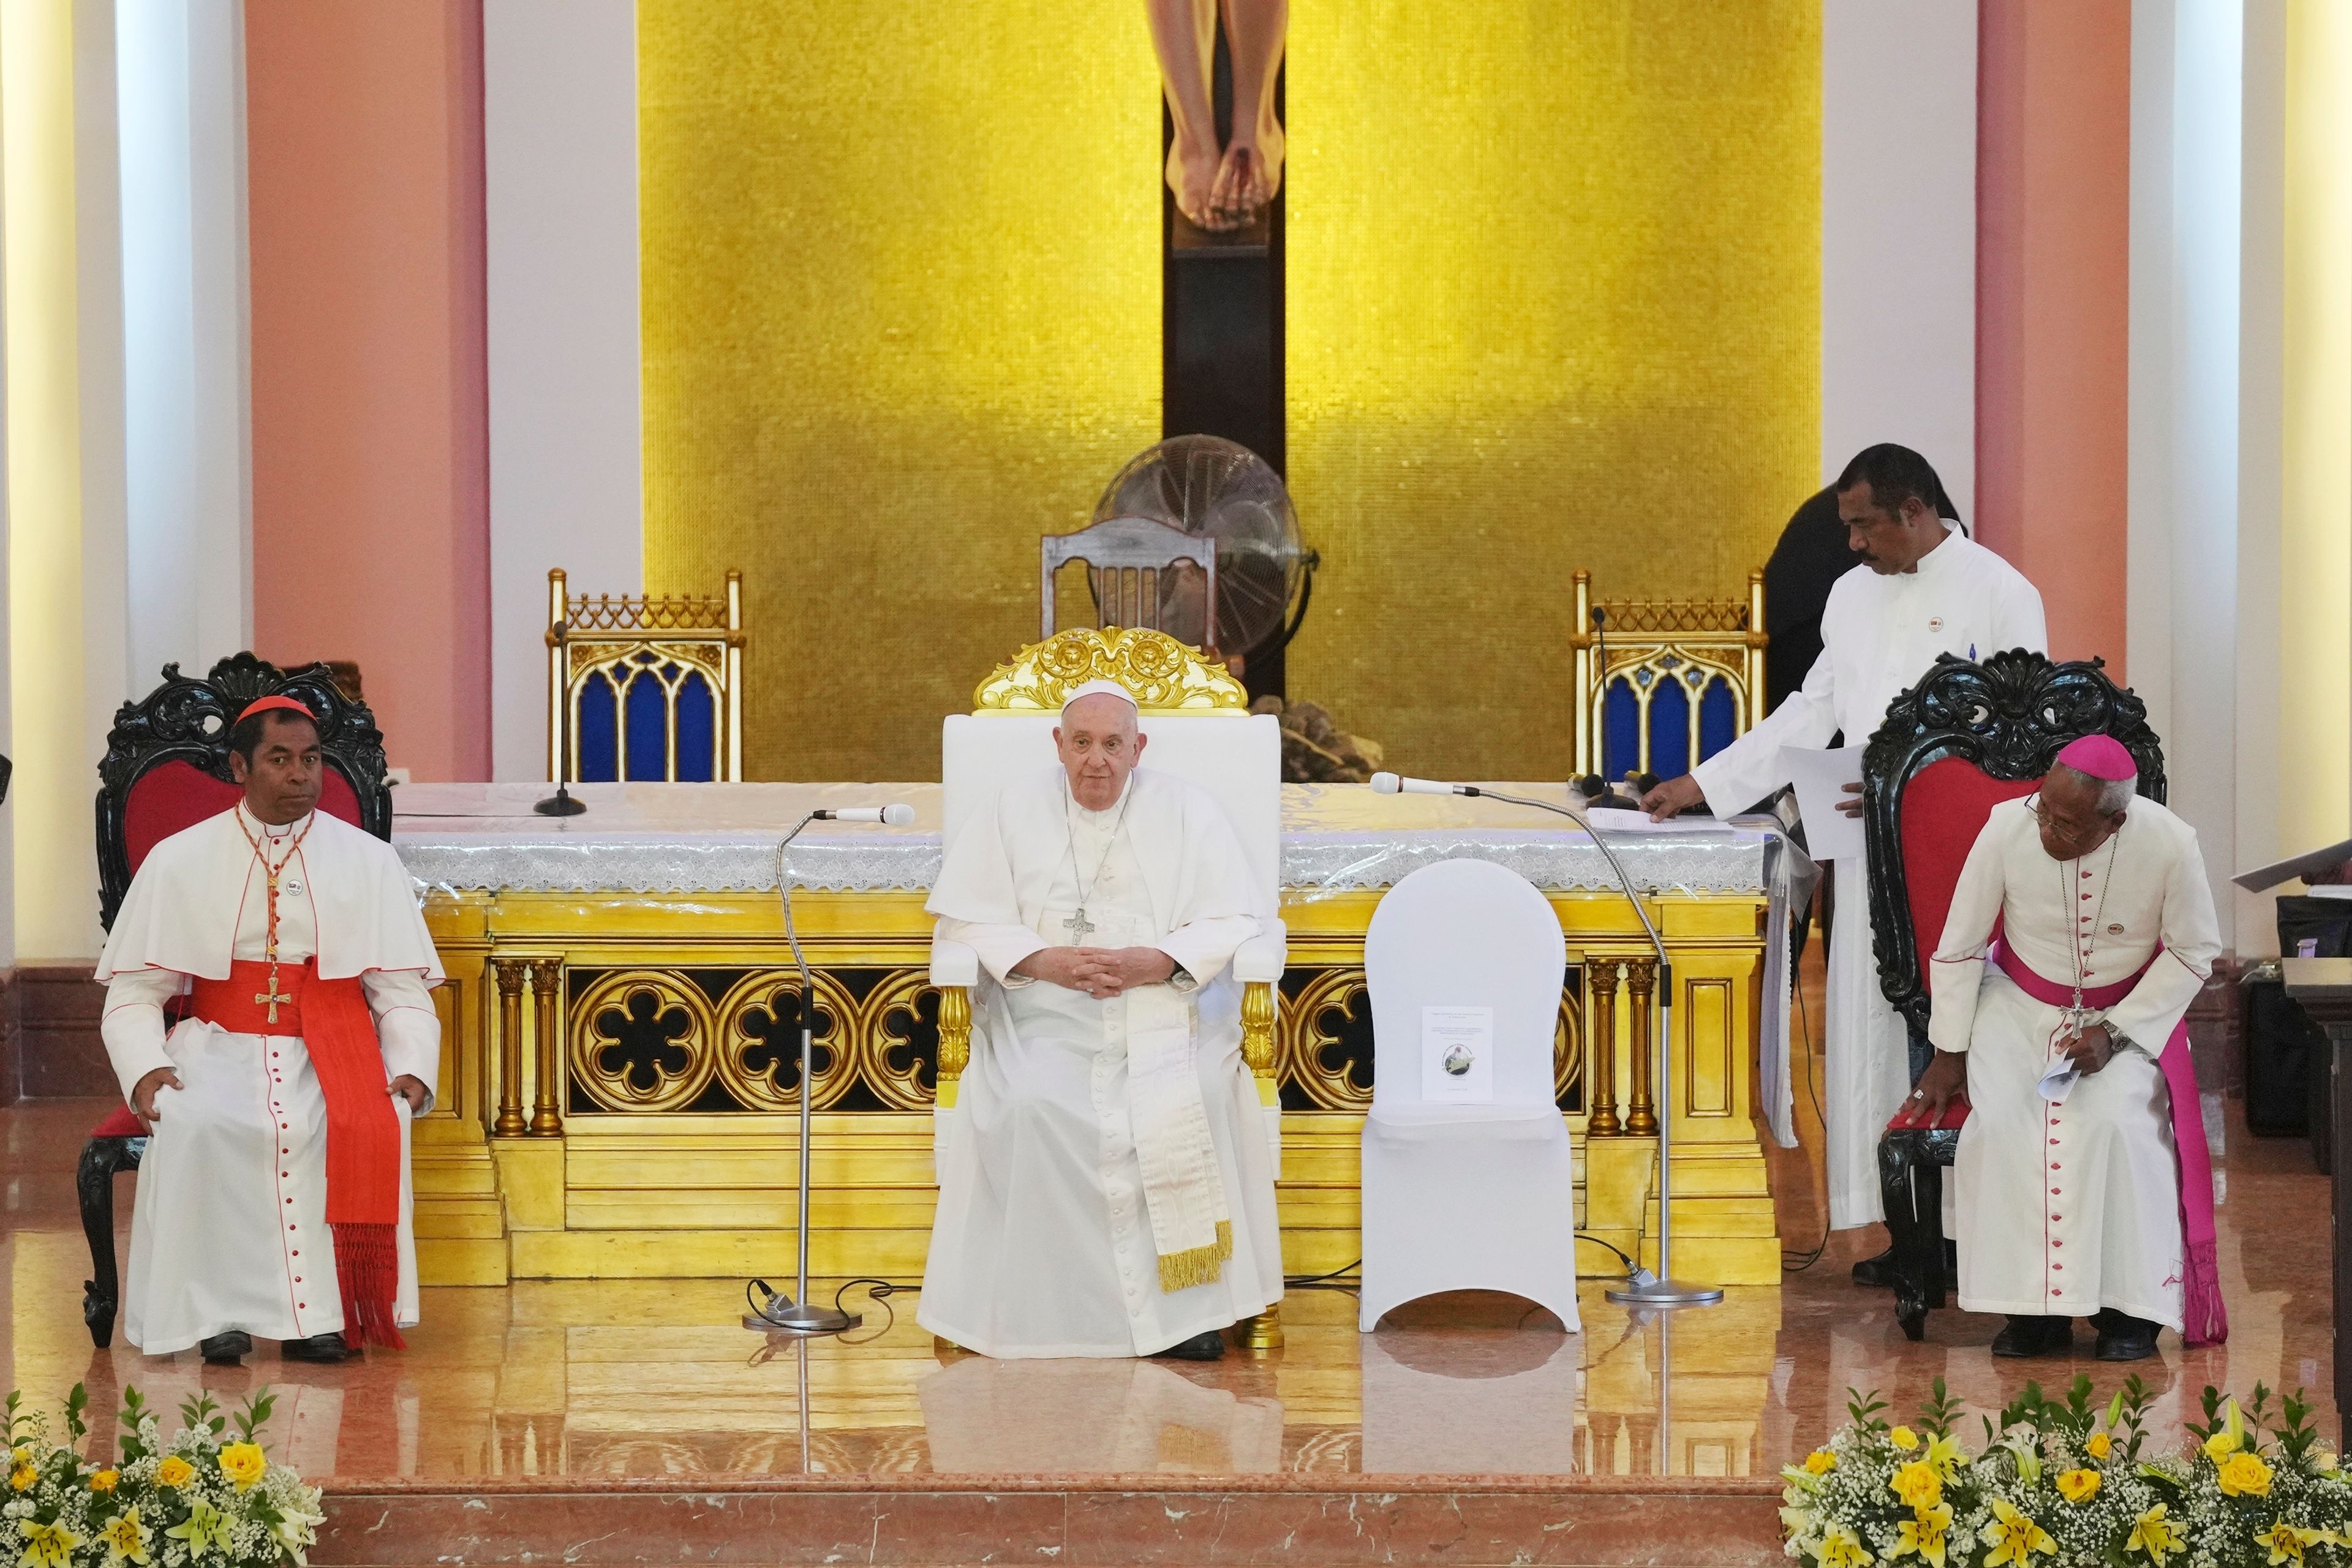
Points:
(2058, 1081)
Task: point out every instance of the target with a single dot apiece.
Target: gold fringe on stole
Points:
(1197, 1265)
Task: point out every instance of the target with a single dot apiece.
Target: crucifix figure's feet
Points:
(1192, 177)
(1250, 175)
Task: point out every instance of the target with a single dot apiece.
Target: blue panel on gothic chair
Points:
(698, 730)
(1719, 718)
(1670, 755)
(648, 721)
(1621, 729)
(596, 713)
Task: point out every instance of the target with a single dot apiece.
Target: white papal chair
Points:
(1201, 729)
(1477, 1193)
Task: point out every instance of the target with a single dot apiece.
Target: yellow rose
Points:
(1903, 1439)
(1917, 1485)
(105, 1481)
(243, 1463)
(175, 1471)
(2078, 1486)
(1819, 1462)
(2221, 1445)
(2099, 1446)
(2245, 1474)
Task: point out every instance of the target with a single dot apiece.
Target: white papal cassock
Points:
(1879, 635)
(1093, 1140)
(229, 1226)
(2066, 1208)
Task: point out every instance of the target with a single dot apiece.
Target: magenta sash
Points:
(2203, 1320)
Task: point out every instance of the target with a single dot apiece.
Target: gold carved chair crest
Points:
(646, 688)
(1662, 685)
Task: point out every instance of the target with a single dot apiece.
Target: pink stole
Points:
(2203, 1320)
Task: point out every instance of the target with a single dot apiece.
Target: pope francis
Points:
(1107, 1190)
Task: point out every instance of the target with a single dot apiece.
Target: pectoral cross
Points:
(1079, 927)
(271, 996)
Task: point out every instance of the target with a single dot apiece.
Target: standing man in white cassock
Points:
(1110, 1191)
(1930, 590)
(2085, 1186)
(274, 1198)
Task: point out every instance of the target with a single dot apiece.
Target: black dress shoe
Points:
(2034, 1337)
(2123, 1337)
(326, 1348)
(228, 1349)
(1209, 1346)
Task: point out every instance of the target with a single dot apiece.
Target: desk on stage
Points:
(619, 1088)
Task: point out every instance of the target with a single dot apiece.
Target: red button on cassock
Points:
(2057, 1266)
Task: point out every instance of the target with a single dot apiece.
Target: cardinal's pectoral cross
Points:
(272, 996)
(1080, 927)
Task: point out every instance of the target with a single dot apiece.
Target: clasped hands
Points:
(408, 1086)
(1102, 972)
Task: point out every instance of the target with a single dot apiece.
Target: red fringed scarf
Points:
(331, 1018)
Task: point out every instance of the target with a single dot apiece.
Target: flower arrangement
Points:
(2066, 1484)
(205, 1500)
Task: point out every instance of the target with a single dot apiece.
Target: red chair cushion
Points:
(121, 1124)
(1945, 806)
(179, 795)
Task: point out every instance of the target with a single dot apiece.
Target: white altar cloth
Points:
(667, 839)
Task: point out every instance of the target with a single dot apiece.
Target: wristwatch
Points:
(1180, 978)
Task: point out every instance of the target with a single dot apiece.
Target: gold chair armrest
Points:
(955, 1041)
(1258, 1013)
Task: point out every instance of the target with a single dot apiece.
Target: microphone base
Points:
(1655, 1292)
(808, 1321)
(563, 803)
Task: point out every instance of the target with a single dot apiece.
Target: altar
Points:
(620, 1091)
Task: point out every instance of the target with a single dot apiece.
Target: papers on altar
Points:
(1457, 1056)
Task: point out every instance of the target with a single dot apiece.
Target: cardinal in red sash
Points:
(273, 1198)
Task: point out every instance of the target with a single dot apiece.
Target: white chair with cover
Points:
(1461, 1195)
(1197, 720)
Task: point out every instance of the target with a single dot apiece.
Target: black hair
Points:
(1895, 475)
(245, 736)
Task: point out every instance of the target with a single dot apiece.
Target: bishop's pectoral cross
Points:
(272, 996)
(1079, 927)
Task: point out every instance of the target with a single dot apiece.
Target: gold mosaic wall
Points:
(1554, 296)
(900, 286)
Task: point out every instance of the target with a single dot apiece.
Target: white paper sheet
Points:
(1457, 1056)
(1820, 778)
(2263, 878)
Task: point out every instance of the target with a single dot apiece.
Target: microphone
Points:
(898, 814)
(1396, 783)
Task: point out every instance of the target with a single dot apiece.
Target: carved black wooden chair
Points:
(1965, 738)
(167, 768)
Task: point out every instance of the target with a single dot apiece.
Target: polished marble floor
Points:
(656, 1378)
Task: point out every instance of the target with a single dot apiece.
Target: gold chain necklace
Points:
(272, 993)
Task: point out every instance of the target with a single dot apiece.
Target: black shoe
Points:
(2034, 1337)
(2123, 1337)
(228, 1349)
(1209, 1346)
(1878, 1273)
(328, 1348)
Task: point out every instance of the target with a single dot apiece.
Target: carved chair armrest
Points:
(955, 969)
(1258, 965)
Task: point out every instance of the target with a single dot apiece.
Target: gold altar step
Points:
(461, 1226)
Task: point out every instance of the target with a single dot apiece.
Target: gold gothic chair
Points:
(1142, 573)
(1662, 685)
(1201, 731)
(647, 687)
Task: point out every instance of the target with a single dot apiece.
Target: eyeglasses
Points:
(2058, 829)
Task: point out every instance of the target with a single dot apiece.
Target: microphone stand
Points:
(796, 1314)
(561, 804)
(1645, 1288)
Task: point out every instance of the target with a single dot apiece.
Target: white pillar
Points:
(2261, 352)
(560, 143)
(1899, 234)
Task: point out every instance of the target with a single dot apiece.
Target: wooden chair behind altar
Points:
(1197, 717)
(1663, 684)
(1142, 573)
(646, 688)
(167, 768)
(1965, 738)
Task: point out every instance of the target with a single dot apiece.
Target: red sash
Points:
(331, 1019)
(2204, 1322)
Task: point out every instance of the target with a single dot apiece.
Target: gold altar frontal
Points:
(619, 1087)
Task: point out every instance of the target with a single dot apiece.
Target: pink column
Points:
(2054, 240)
(371, 451)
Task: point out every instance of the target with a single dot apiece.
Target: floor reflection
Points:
(649, 1378)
